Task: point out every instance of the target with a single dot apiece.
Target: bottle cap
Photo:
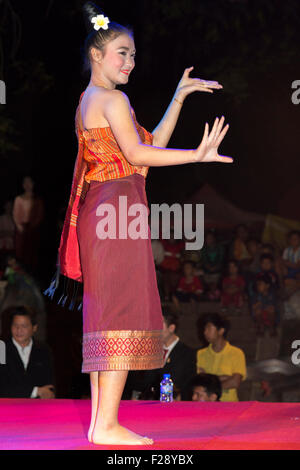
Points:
(166, 376)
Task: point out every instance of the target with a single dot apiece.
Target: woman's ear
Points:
(96, 55)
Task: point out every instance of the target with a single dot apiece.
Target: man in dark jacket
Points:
(28, 368)
(180, 363)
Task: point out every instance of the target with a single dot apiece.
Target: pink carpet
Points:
(63, 424)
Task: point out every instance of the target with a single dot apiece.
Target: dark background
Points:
(250, 46)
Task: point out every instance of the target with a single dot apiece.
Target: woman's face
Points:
(233, 268)
(118, 59)
(188, 269)
(28, 183)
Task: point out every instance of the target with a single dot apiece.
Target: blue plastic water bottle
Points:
(166, 388)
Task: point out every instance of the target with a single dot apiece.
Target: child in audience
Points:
(264, 307)
(233, 288)
(189, 287)
(291, 256)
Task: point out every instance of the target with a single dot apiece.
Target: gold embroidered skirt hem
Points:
(122, 350)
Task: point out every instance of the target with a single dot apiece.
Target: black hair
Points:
(266, 256)
(99, 39)
(210, 382)
(294, 232)
(23, 311)
(217, 320)
(188, 261)
(268, 246)
(265, 278)
(170, 318)
(236, 263)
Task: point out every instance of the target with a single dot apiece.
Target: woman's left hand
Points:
(188, 85)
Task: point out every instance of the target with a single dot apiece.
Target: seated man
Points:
(220, 357)
(206, 387)
(28, 369)
(180, 363)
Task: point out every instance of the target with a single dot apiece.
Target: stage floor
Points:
(63, 424)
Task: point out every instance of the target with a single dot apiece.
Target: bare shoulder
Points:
(98, 101)
(115, 98)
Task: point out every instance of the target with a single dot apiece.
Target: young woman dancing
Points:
(122, 317)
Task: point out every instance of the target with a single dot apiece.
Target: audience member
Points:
(28, 368)
(220, 357)
(28, 214)
(206, 387)
(212, 262)
(252, 264)
(233, 288)
(291, 256)
(264, 307)
(192, 255)
(238, 250)
(189, 287)
(22, 289)
(180, 363)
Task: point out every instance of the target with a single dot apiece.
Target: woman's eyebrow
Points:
(126, 48)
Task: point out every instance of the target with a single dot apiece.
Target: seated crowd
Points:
(240, 273)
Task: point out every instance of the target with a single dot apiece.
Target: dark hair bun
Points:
(89, 11)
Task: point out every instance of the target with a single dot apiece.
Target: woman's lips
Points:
(125, 71)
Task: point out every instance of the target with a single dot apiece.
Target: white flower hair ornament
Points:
(100, 21)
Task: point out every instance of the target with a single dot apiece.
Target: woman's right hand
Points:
(208, 149)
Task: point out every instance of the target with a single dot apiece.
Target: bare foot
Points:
(118, 435)
(90, 433)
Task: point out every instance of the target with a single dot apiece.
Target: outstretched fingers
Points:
(213, 133)
(225, 159)
(222, 135)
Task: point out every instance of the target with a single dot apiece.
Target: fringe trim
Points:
(64, 290)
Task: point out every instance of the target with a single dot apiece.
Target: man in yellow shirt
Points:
(220, 357)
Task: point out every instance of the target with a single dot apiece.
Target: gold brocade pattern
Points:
(122, 350)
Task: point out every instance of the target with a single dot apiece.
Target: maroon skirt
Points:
(122, 316)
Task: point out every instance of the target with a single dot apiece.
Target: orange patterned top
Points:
(103, 154)
(99, 158)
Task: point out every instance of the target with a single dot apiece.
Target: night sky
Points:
(251, 47)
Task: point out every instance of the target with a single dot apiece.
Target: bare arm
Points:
(230, 381)
(116, 110)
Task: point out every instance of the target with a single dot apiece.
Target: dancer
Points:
(122, 318)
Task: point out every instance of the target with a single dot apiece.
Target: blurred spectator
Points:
(212, 263)
(7, 229)
(28, 213)
(267, 267)
(238, 250)
(220, 357)
(233, 288)
(268, 248)
(291, 256)
(192, 255)
(212, 258)
(170, 266)
(252, 264)
(206, 387)
(28, 368)
(180, 363)
(21, 289)
(189, 287)
(264, 307)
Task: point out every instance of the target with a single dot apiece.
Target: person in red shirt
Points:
(190, 286)
(233, 287)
